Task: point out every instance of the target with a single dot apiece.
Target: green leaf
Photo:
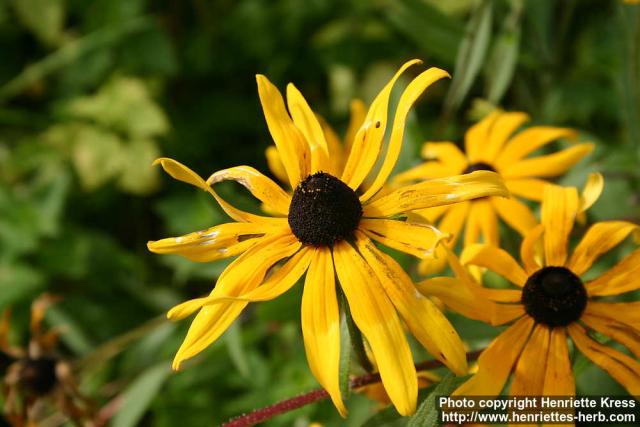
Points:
(427, 413)
(96, 155)
(345, 358)
(138, 176)
(504, 56)
(44, 18)
(233, 340)
(18, 282)
(139, 395)
(471, 54)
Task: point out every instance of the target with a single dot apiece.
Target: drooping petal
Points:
(321, 325)
(430, 327)
(495, 363)
(559, 210)
(548, 166)
(457, 296)
(475, 139)
(528, 378)
(240, 277)
(496, 260)
(627, 313)
(306, 121)
(408, 98)
(529, 140)
(599, 239)
(558, 379)
(515, 213)
(531, 250)
(275, 164)
(182, 173)
(621, 367)
(293, 149)
(437, 192)
(368, 140)
(622, 277)
(376, 317)
(626, 335)
(503, 127)
(263, 188)
(221, 241)
(446, 153)
(528, 188)
(413, 238)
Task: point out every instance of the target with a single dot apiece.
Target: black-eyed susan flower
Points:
(37, 381)
(551, 302)
(493, 145)
(324, 229)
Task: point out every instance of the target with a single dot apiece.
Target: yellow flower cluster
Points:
(339, 202)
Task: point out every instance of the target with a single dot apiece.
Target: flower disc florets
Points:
(479, 166)
(39, 375)
(554, 296)
(324, 210)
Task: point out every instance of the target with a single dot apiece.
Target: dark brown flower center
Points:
(39, 375)
(480, 166)
(5, 361)
(554, 296)
(323, 210)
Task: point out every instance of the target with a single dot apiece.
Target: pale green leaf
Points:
(427, 413)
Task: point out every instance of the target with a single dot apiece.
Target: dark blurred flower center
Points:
(5, 361)
(480, 166)
(324, 210)
(554, 296)
(39, 375)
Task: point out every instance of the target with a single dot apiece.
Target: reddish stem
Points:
(268, 412)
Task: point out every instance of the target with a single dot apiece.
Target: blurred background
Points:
(91, 92)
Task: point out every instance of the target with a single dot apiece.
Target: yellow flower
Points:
(324, 228)
(491, 145)
(549, 300)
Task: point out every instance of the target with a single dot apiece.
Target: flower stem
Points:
(284, 406)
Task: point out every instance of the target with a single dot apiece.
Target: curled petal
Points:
(413, 238)
(437, 192)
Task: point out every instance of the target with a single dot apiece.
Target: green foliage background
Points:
(92, 91)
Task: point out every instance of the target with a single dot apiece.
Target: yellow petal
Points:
(598, 240)
(337, 152)
(293, 149)
(496, 260)
(437, 192)
(558, 378)
(263, 188)
(457, 297)
(622, 277)
(472, 226)
(626, 335)
(321, 325)
(559, 210)
(528, 188)
(446, 153)
(528, 378)
(430, 327)
(305, 120)
(476, 138)
(275, 164)
(503, 127)
(413, 238)
(495, 363)
(367, 142)
(221, 241)
(426, 170)
(182, 173)
(357, 115)
(515, 213)
(591, 191)
(376, 317)
(407, 99)
(529, 140)
(621, 367)
(487, 220)
(506, 313)
(240, 277)
(550, 165)
(627, 313)
(531, 250)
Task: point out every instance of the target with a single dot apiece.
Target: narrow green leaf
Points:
(471, 55)
(357, 343)
(139, 395)
(233, 340)
(427, 413)
(345, 358)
